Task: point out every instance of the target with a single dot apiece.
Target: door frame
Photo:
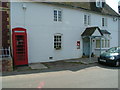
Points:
(86, 39)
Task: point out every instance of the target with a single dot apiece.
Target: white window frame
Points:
(58, 41)
(99, 3)
(87, 19)
(105, 43)
(58, 15)
(104, 21)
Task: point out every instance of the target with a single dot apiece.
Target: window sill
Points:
(57, 48)
(58, 21)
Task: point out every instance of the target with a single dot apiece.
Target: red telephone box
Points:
(19, 40)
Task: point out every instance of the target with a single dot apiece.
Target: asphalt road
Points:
(90, 77)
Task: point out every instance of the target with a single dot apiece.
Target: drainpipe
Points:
(24, 10)
(90, 49)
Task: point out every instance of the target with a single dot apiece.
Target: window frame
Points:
(87, 19)
(58, 16)
(99, 3)
(104, 22)
(55, 15)
(105, 43)
(58, 41)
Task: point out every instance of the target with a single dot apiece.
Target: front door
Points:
(86, 46)
(20, 54)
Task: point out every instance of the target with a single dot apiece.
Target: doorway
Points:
(86, 46)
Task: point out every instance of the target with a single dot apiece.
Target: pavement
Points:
(53, 66)
(37, 66)
(84, 60)
(46, 65)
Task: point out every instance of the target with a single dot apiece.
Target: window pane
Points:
(98, 3)
(103, 43)
(59, 37)
(88, 20)
(97, 43)
(54, 39)
(55, 19)
(108, 43)
(59, 16)
(103, 22)
(57, 42)
(85, 19)
(55, 12)
(55, 15)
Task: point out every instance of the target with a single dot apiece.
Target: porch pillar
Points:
(100, 44)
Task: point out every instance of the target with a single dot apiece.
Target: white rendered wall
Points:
(38, 20)
(119, 32)
(112, 27)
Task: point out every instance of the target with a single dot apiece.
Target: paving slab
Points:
(37, 66)
(22, 68)
(88, 61)
(83, 60)
(72, 61)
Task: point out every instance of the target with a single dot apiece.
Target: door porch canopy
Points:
(93, 32)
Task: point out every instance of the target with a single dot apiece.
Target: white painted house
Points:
(119, 23)
(59, 31)
(119, 31)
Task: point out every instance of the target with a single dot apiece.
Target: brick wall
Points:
(5, 63)
(5, 25)
(0, 26)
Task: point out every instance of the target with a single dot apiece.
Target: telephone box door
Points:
(20, 53)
